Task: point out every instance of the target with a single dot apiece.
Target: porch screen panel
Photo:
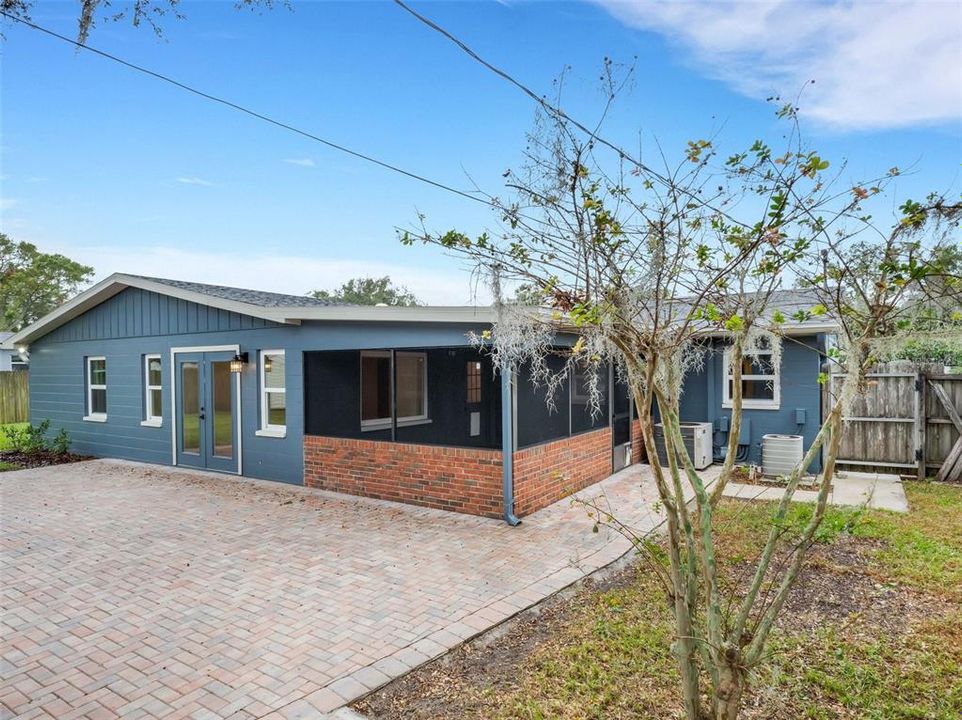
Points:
(448, 413)
(537, 421)
(333, 405)
(582, 417)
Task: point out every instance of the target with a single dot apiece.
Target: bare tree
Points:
(643, 268)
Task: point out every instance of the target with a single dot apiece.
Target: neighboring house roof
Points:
(294, 309)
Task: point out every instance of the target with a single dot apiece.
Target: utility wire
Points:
(248, 111)
(554, 110)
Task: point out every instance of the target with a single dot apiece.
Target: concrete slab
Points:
(875, 490)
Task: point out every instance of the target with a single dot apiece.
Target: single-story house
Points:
(385, 402)
(10, 358)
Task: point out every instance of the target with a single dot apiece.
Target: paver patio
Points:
(139, 591)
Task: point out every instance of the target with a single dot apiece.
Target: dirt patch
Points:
(836, 588)
(461, 683)
(45, 458)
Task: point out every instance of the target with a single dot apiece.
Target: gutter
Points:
(507, 446)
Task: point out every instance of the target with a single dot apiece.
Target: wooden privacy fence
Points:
(908, 420)
(14, 397)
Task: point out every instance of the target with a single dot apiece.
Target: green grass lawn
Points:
(874, 630)
(222, 428)
(4, 443)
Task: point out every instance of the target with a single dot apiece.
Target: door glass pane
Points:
(223, 410)
(474, 382)
(190, 407)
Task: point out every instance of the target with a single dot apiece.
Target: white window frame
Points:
(403, 421)
(90, 415)
(751, 403)
(266, 428)
(153, 417)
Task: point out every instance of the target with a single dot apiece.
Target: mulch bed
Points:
(44, 458)
(742, 477)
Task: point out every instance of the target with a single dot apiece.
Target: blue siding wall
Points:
(136, 322)
(702, 397)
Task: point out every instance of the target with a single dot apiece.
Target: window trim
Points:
(752, 403)
(91, 416)
(267, 429)
(403, 420)
(151, 419)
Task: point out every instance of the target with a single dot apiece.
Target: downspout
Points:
(507, 446)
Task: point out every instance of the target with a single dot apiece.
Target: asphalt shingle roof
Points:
(259, 298)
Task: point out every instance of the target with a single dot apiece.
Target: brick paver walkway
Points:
(138, 591)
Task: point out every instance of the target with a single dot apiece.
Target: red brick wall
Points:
(546, 473)
(638, 453)
(461, 479)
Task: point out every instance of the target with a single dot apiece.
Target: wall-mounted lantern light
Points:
(238, 362)
(268, 363)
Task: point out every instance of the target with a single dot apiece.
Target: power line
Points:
(554, 110)
(248, 111)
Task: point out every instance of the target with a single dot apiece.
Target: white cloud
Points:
(286, 274)
(875, 64)
(7, 203)
(303, 162)
(194, 181)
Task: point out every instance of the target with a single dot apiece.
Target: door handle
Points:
(200, 416)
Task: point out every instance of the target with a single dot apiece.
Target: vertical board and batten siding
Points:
(702, 396)
(137, 322)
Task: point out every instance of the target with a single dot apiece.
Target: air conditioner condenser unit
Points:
(698, 442)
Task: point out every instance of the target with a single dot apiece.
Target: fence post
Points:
(921, 419)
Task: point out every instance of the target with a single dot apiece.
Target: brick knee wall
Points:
(465, 480)
(638, 453)
(546, 473)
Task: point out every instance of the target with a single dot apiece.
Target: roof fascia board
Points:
(373, 313)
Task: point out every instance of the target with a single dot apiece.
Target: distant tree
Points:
(369, 291)
(33, 283)
(149, 12)
(529, 294)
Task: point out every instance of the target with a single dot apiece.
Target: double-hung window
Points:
(273, 381)
(761, 383)
(96, 389)
(153, 386)
(376, 390)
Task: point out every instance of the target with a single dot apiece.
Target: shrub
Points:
(32, 439)
(61, 443)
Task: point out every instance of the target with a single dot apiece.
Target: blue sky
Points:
(129, 174)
